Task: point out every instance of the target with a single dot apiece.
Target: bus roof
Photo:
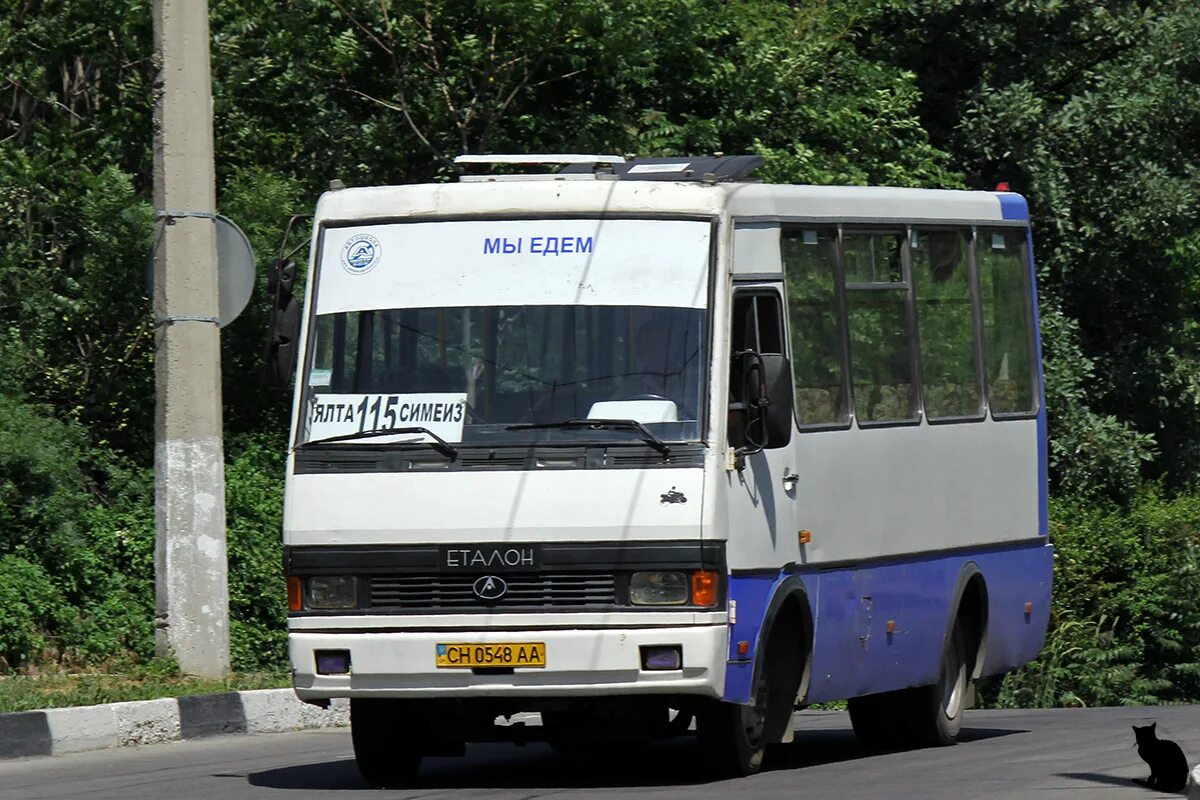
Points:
(760, 201)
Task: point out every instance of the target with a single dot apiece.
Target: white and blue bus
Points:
(633, 444)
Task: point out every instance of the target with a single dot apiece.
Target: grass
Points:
(60, 690)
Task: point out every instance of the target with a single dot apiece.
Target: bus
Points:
(653, 449)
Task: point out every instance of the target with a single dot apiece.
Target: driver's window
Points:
(757, 322)
(757, 326)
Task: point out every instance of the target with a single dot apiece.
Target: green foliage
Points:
(41, 485)
(1125, 626)
(383, 92)
(254, 521)
(31, 604)
(76, 568)
(1090, 454)
(74, 221)
(77, 548)
(116, 622)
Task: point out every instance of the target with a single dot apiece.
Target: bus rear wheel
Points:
(385, 749)
(937, 711)
(922, 716)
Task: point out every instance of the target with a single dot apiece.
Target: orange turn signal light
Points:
(293, 584)
(704, 588)
(805, 537)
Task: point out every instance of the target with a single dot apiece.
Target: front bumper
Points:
(588, 662)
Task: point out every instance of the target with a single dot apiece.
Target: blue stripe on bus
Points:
(853, 653)
(1013, 206)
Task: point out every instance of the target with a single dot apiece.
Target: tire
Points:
(733, 738)
(920, 717)
(385, 747)
(936, 711)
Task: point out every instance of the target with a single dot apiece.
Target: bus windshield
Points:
(478, 330)
(470, 374)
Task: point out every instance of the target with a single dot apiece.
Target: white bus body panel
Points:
(875, 493)
(860, 203)
(578, 662)
(555, 505)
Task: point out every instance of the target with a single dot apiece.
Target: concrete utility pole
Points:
(191, 588)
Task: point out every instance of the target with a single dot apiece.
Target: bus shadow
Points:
(536, 766)
(814, 748)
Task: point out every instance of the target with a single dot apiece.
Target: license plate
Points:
(509, 654)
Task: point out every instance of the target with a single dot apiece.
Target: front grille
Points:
(564, 590)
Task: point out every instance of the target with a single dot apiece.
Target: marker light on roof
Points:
(1002, 186)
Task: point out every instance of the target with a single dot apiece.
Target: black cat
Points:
(1168, 767)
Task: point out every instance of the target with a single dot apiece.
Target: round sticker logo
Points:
(361, 254)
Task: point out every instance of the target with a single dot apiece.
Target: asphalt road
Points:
(1004, 754)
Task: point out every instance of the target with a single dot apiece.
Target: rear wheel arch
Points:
(970, 606)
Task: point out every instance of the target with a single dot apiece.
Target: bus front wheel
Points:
(385, 749)
(733, 737)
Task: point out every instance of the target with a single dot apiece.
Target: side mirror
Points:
(284, 326)
(760, 415)
(777, 413)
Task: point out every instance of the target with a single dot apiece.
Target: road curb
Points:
(55, 731)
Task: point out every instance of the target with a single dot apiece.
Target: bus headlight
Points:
(332, 591)
(658, 588)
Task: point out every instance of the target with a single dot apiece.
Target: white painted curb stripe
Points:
(82, 728)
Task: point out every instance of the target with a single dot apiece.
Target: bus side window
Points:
(1007, 321)
(878, 318)
(946, 323)
(810, 274)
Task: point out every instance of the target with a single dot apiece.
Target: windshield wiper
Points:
(439, 444)
(598, 424)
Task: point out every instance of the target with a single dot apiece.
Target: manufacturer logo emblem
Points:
(490, 588)
(672, 496)
(361, 253)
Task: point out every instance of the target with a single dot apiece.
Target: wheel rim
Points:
(952, 683)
